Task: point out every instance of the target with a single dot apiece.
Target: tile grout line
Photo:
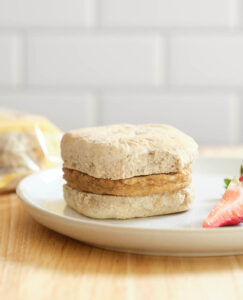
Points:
(97, 28)
(167, 59)
(97, 13)
(99, 96)
(216, 90)
(25, 60)
(92, 109)
(90, 14)
(21, 61)
(18, 61)
(125, 88)
(234, 120)
(234, 14)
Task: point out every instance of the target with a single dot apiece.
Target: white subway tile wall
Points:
(44, 13)
(9, 65)
(66, 110)
(208, 60)
(93, 62)
(172, 13)
(181, 111)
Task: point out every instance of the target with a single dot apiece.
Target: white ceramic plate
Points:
(178, 234)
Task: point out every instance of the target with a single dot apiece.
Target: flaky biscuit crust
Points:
(118, 207)
(124, 151)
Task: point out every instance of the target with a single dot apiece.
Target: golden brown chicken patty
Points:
(135, 186)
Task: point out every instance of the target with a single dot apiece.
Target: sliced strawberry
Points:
(241, 178)
(229, 210)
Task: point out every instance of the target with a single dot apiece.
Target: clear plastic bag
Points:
(28, 143)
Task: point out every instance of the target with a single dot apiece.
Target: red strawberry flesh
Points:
(229, 210)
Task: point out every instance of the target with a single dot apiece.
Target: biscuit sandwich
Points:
(127, 171)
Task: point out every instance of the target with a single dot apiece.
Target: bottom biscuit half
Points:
(120, 207)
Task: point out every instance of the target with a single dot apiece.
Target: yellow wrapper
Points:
(28, 143)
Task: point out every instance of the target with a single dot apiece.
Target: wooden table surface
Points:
(37, 263)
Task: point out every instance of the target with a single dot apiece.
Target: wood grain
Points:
(37, 263)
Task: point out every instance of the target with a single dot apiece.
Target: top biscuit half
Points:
(124, 151)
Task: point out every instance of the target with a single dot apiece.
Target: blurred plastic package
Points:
(28, 143)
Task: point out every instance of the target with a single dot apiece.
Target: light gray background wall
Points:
(93, 62)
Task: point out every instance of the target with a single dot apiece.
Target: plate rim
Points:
(95, 222)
